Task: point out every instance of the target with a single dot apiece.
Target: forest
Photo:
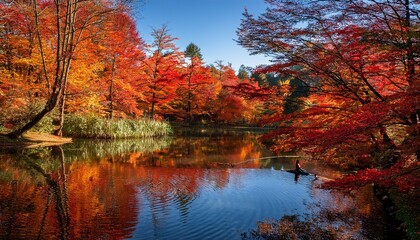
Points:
(99, 65)
(343, 85)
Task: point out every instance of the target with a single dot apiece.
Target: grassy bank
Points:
(96, 127)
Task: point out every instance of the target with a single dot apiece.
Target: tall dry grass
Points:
(97, 127)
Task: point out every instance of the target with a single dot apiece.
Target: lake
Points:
(201, 185)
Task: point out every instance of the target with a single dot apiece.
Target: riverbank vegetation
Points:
(94, 127)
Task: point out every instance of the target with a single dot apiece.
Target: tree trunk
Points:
(413, 80)
(59, 131)
(111, 90)
(41, 49)
(189, 97)
(152, 108)
(49, 106)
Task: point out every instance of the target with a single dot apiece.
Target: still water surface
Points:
(197, 187)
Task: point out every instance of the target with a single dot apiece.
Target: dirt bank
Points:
(31, 140)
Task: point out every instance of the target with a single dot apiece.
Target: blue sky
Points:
(210, 24)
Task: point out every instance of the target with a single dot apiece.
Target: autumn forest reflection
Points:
(186, 187)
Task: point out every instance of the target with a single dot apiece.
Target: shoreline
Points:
(32, 140)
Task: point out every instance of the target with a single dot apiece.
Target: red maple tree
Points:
(358, 60)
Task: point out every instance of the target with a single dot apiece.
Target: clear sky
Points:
(210, 24)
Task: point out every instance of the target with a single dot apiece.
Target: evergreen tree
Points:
(193, 50)
(243, 72)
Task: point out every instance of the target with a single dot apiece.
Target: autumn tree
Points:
(265, 99)
(193, 91)
(123, 55)
(21, 78)
(161, 69)
(357, 58)
(193, 53)
(336, 56)
(65, 24)
(65, 44)
(229, 107)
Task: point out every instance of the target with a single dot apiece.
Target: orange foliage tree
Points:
(123, 53)
(195, 89)
(161, 71)
(48, 36)
(21, 75)
(229, 107)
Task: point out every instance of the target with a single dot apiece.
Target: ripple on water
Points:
(248, 196)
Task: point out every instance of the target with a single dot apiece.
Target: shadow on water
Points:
(203, 185)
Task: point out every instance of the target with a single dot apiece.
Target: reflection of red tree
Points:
(352, 212)
(101, 199)
(100, 203)
(18, 208)
(204, 152)
(103, 196)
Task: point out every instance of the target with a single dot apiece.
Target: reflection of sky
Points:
(250, 195)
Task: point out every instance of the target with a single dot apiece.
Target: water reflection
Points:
(340, 216)
(185, 187)
(19, 201)
(94, 150)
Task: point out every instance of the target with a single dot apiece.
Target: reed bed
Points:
(102, 128)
